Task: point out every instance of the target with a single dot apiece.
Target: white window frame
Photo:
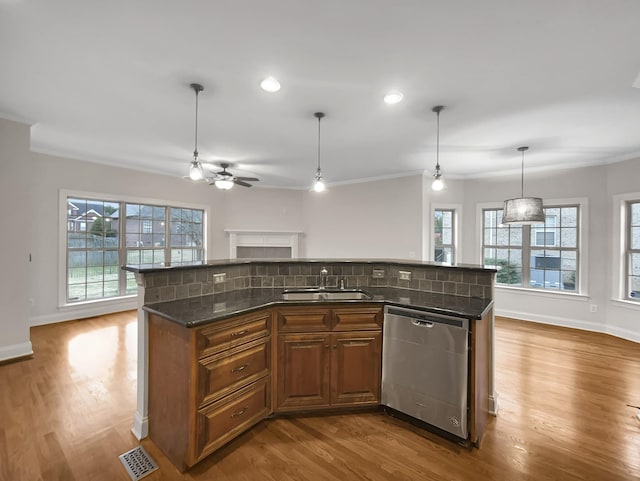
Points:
(582, 246)
(619, 244)
(63, 194)
(457, 247)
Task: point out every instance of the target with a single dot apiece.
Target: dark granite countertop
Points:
(197, 311)
(149, 268)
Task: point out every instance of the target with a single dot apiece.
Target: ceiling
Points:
(108, 82)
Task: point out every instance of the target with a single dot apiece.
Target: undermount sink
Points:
(324, 295)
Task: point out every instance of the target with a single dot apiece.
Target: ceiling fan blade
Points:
(243, 184)
(250, 179)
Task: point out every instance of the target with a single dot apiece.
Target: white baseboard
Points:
(140, 427)
(623, 333)
(14, 351)
(553, 320)
(572, 323)
(81, 311)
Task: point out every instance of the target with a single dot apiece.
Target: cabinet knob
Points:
(335, 346)
(326, 346)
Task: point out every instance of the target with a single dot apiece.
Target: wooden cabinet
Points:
(207, 385)
(328, 356)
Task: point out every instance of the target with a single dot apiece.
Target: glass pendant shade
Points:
(438, 183)
(195, 170)
(224, 184)
(523, 210)
(318, 183)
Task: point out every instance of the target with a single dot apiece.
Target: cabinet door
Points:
(303, 371)
(356, 364)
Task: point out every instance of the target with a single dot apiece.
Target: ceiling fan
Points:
(224, 179)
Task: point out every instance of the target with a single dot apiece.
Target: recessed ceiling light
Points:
(270, 84)
(393, 97)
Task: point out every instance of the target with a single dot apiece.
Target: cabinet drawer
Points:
(357, 318)
(225, 335)
(304, 319)
(223, 373)
(223, 420)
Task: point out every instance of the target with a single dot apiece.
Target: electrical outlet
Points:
(377, 273)
(404, 275)
(593, 307)
(218, 278)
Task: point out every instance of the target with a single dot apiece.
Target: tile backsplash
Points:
(185, 283)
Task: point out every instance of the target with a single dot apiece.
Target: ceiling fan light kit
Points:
(318, 182)
(523, 210)
(438, 181)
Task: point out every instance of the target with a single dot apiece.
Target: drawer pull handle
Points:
(240, 368)
(239, 333)
(240, 412)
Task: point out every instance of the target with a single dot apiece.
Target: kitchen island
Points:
(220, 349)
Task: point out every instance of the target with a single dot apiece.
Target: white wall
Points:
(372, 219)
(380, 219)
(252, 208)
(16, 199)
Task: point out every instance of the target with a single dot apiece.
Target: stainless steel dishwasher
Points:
(425, 367)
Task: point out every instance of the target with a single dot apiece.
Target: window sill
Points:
(97, 302)
(545, 293)
(634, 306)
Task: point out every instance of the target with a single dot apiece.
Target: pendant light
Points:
(438, 182)
(318, 183)
(196, 172)
(523, 210)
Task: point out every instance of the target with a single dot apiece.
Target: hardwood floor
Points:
(66, 415)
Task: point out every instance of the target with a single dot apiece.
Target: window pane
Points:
(515, 236)
(635, 238)
(568, 237)
(569, 217)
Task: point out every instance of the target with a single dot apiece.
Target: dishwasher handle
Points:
(419, 323)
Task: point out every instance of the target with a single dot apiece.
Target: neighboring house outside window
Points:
(100, 241)
(543, 256)
(632, 254)
(444, 235)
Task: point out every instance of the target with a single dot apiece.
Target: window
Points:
(541, 256)
(443, 235)
(100, 240)
(632, 254)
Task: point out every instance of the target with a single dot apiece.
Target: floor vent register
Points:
(138, 463)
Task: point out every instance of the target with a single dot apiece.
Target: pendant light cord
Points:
(319, 118)
(438, 140)
(523, 150)
(195, 148)
(522, 177)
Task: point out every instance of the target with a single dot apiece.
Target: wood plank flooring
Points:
(66, 415)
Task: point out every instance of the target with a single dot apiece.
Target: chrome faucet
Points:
(323, 277)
